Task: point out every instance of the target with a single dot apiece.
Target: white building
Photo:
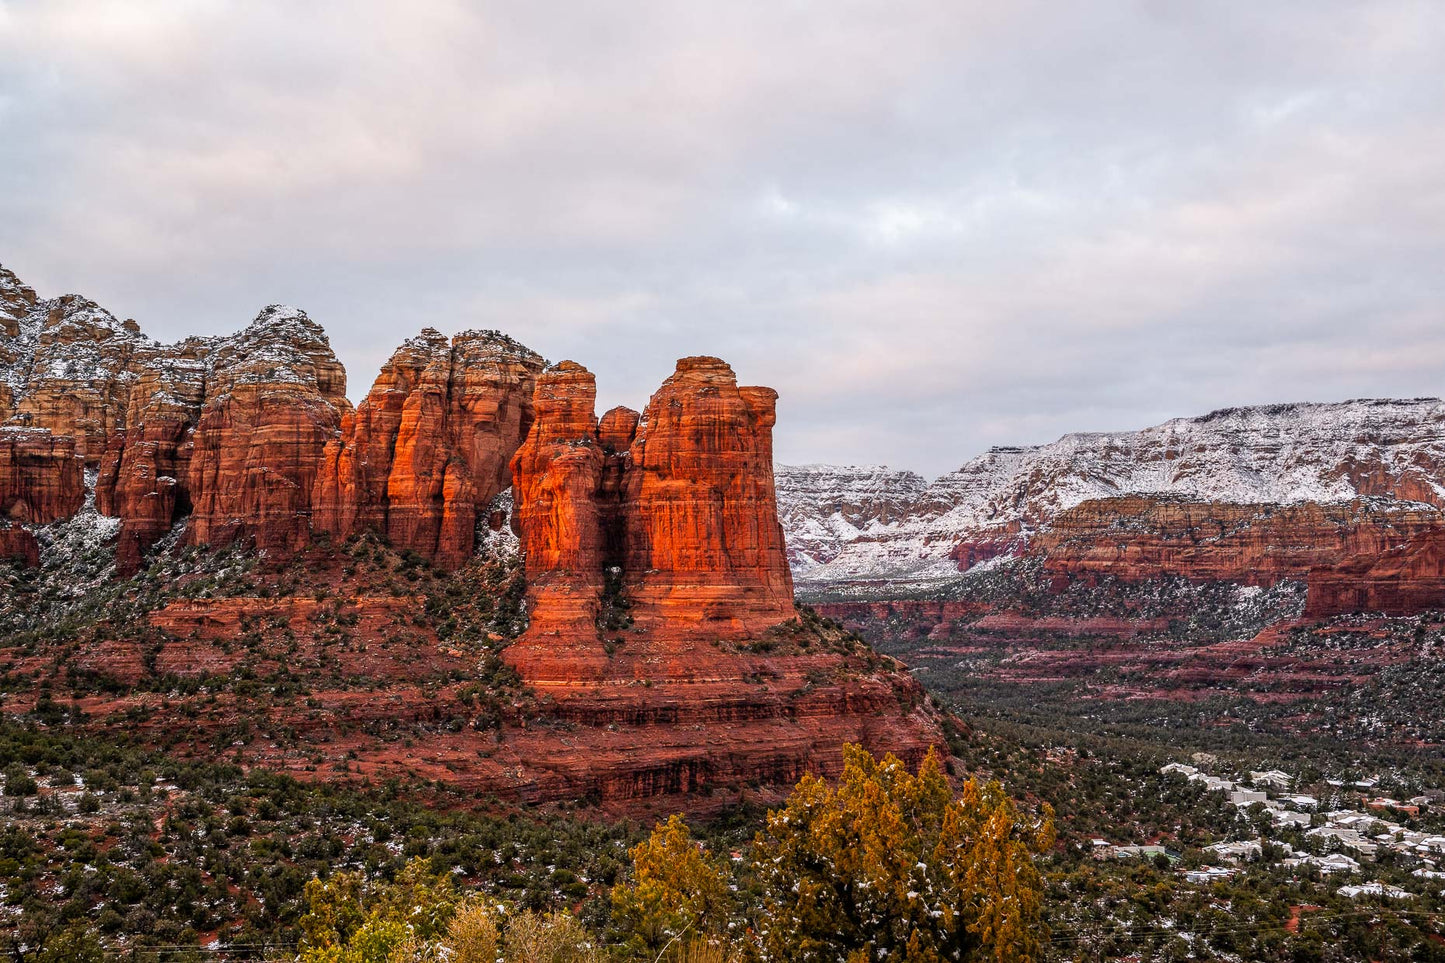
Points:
(1284, 817)
(1272, 779)
(1372, 889)
(1212, 783)
(1333, 863)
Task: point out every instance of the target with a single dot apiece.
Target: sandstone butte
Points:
(663, 635)
(669, 516)
(659, 591)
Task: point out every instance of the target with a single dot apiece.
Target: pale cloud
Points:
(933, 226)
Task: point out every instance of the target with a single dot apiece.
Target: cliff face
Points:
(40, 476)
(703, 547)
(144, 476)
(72, 365)
(1135, 538)
(559, 508)
(1403, 579)
(825, 507)
(275, 396)
(250, 437)
(671, 515)
(427, 450)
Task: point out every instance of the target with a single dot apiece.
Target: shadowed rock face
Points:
(1401, 580)
(40, 476)
(144, 474)
(41, 481)
(425, 453)
(1134, 538)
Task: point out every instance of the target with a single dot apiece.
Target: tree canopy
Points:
(886, 863)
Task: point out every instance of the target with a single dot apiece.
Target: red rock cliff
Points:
(275, 397)
(41, 480)
(677, 505)
(84, 365)
(144, 475)
(703, 548)
(1137, 537)
(1406, 579)
(427, 450)
(661, 613)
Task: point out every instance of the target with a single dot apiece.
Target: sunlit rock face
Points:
(671, 513)
(422, 457)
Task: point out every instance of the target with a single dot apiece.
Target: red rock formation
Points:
(558, 513)
(677, 502)
(703, 547)
(41, 481)
(1404, 580)
(144, 475)
(427, 451)
(661, 617)
(558, 472)
(18, 544)
(275, 397)
(41, 477)
(84, 363)
(1137, 537)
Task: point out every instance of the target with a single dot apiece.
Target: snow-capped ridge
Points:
(1276, 454)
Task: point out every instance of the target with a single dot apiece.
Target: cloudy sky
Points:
(933, 226)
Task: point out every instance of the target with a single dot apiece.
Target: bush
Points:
(554, 938)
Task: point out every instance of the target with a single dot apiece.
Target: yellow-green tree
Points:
(886, 864)
(351, 921)
(676, 889)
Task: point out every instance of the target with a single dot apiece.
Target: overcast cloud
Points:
(932, 226)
